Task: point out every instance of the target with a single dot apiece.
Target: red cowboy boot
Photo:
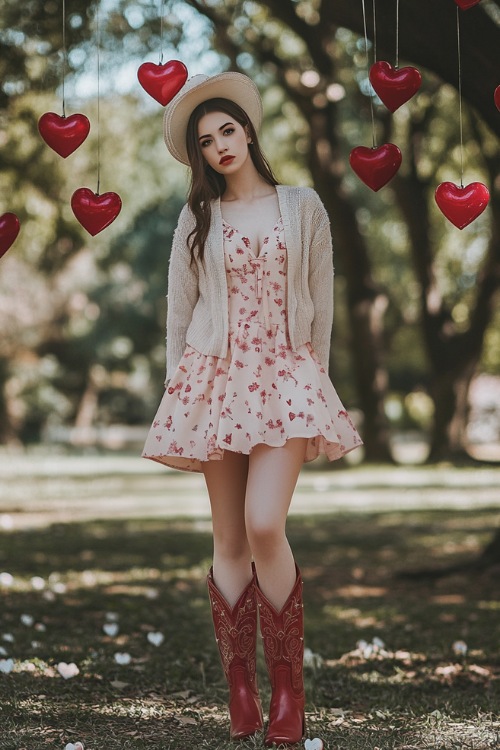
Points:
(236, 636)
(283, 637)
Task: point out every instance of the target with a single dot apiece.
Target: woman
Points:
(248, 399)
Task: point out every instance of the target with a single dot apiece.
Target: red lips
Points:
(226, 160)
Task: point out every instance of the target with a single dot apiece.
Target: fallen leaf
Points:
(479, 670)
(185, 720)
(118, 684)
(448, 671)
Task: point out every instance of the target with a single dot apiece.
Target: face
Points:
(223, 142)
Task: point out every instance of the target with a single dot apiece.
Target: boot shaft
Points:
(236, 636)
(235, 628)
(283, 639)
(283, 634)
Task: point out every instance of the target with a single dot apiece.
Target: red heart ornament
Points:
(465, 4)
(9, 229)
(95, 212)
(461, 205)
(375, 166)
(394, 85)
(63, 134)
(162, 82)
(496, 97)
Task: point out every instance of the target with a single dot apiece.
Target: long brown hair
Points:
(206, 183)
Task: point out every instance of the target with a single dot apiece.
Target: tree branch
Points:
(428, 37)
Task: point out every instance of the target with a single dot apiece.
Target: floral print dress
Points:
(263, 391)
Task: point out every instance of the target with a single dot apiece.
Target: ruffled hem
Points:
(212, 405)
(316, 446)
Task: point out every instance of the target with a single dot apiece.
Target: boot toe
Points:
(246, 731)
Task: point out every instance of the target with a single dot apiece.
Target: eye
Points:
(205, 143)
(228, 131)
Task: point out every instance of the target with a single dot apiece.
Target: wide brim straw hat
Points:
(237, 87)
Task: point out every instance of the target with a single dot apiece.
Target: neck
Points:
(246, 184)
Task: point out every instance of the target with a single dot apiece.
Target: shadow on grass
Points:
(406, 689)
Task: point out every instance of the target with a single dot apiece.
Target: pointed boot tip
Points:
(249, 731)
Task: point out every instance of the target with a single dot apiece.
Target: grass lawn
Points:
(144, 580)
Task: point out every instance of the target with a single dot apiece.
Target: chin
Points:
(231, 169)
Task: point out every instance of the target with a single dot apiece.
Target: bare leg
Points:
(272, 476)
(226, 483)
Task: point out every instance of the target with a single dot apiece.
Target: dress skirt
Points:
(263, 391)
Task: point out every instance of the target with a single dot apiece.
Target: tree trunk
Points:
(453, 355)
(82, 433)
(449, 392)
(8, 433)
(490, 556)
(366, 304)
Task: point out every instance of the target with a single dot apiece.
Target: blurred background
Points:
(416, 340)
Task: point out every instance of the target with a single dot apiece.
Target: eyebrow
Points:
(221, 128)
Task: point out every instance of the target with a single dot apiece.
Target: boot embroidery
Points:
(235, 634)
(282, 638)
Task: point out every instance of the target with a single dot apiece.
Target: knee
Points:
(264, 535)
(231, 546)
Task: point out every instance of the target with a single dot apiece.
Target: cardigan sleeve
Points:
(183, 291)
(321, 275)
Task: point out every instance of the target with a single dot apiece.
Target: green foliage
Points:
(85, 315)
(76, 307)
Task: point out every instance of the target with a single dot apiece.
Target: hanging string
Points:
(460, 102)
(64, 58)
(161, 32)
(98, 41)
(374, 34)
(374, 140)
(397, 34)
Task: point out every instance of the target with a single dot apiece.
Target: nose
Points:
(221, 147)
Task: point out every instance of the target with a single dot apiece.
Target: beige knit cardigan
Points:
(197, 310)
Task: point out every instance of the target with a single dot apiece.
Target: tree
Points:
(452, 355)
(453, 351)
(63, 323)
(303, 47)
(428, 38)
